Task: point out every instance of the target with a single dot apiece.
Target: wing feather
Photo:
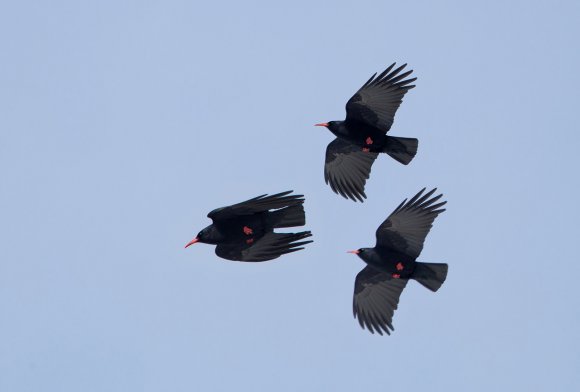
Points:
(376, 297)
(347, 168)
(377, 101)
(270, 246)
(257, 204)
(407, 227)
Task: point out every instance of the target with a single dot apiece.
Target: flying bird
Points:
(392, 262)
(363, 134)
(244, 231)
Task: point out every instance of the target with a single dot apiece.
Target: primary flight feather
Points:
(245, 231)
(393, 261)
(363, 134)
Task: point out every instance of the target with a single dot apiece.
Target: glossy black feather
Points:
(377, 101)
(370, 113)
(376, 297)
(392, 262)
(347, 168)
(407, 227)
(268, 247)
(255, 205)
(245, 231)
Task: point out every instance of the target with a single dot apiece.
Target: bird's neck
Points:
(372, 257)
(339, 129)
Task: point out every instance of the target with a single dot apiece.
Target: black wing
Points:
(377, 101)
(347, 168)
(258, 204)
(376, 296)
(406, 228)
(270, 246)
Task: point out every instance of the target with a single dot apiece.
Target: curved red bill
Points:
(321, 125)
(193, 241)
(356, 252)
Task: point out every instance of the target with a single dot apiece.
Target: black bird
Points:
(362, 135)
(392, 262)
(244, 231)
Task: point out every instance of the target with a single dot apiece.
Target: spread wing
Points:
(376, 296)
(377, 101)
(258, 204)
(347, 168)
(270, 246)
(406, 228)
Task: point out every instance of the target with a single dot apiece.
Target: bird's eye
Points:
(361, 250)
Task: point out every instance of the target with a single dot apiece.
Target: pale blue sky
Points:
(122, 123)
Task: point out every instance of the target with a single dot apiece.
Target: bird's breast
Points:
(363, 135)
(394, 264)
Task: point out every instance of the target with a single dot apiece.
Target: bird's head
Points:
(362, 252)
(206, 236)
(331, 125)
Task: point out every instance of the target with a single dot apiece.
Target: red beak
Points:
(193, 241)
(321, 125)
(356, 252)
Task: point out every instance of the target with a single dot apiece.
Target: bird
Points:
(392, 262)
(360, 138)
(245, 231)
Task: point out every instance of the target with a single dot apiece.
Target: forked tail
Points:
(402, 149)
(430, 275)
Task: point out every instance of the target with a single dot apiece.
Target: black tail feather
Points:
(430, 275)
(289, 217)
(402, 149)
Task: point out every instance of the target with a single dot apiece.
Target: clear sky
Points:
(122, 123)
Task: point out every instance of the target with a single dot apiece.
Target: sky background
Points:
(123, 123)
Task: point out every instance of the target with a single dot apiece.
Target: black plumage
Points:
(362, 135)
(392, 262)
(245, 231)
